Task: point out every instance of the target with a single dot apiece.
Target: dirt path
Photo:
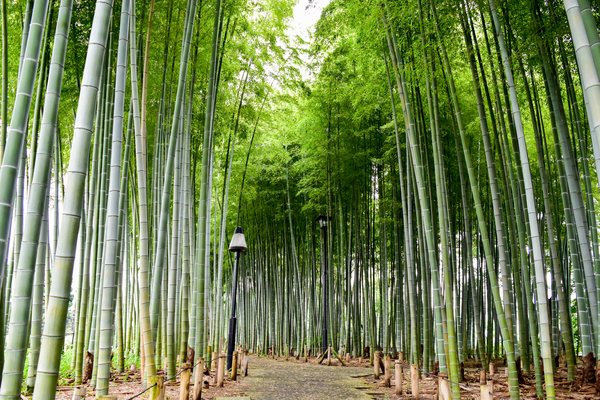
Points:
(271, 379)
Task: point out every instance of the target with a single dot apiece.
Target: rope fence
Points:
(462, 385)
(403, 365)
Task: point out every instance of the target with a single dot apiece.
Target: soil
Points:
(291, 378)
(128, 384)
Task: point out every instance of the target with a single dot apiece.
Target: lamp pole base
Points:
(231, 341)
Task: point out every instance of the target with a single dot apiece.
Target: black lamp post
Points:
(323, 221)
(238, 245)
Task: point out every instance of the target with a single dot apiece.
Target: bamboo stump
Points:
(376, 370)
(234, 366)
(214, 361)
(347, 357)
(107, 397)
(244, 368)
(191, 354)
(490, 378)
(444, 389)
(198, 375)
(387, 372)
(184, 387)
(399, 376)
(79, 393)
(221, 371)
(157, 392)
(329, 356)
(89, 366)
(485, 393)
(414, 381)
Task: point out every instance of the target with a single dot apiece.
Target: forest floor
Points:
(291, 378)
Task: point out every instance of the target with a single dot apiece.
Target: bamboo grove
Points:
(452, 144)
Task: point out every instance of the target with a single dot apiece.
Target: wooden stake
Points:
(244, 365)
(335, 353)
(399, 377)
(184, 386)
(214, 361)
(387, 372)
(321, 357)
(234, 366)
(158, 391)
(198, 375)
(485, 392)
(79, 393)
(221, 371)
(414, 381)
(444, 389)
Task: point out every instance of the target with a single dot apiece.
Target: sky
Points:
(306, 15)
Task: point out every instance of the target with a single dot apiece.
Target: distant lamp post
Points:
(237, 246)
(323, 223)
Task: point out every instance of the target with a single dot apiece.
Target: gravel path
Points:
(271, 379)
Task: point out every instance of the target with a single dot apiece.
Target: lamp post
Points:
(238, 245)
(323, 221)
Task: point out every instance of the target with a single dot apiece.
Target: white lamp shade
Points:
(238, 241)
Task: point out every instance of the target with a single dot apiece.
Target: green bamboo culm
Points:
(55, 326)
(506, 335)
(540, 271)
(18, 129)
(159, 256)
(4, 113)
(111, 252)
(17, 337)
(144, 269)
(200, 262)
(38, 302)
